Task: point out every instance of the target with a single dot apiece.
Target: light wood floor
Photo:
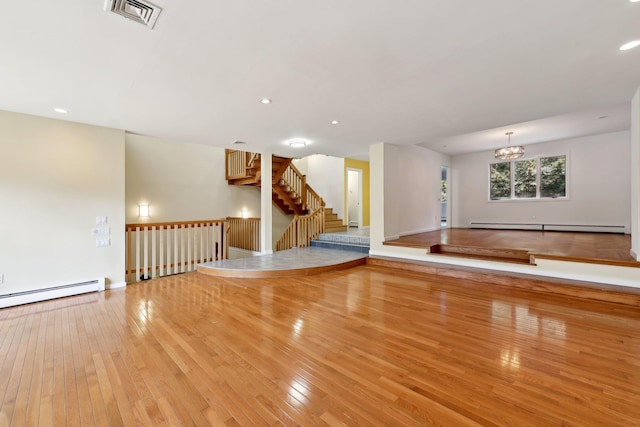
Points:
(606, 246)
(366, 346)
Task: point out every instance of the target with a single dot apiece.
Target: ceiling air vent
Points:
(141, 12)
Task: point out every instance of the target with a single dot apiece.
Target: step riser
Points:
(503, 255)
(345, 239)
(339, 246)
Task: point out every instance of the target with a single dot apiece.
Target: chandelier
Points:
(510, 152)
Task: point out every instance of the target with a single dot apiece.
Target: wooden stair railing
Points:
(244, 233)
(290, 191)
(301, 230)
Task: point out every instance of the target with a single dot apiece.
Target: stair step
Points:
(333, 223)
(335, 229)
(353, 239)
(363, 249)
(519, 256)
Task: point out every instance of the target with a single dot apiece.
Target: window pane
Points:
(553, 176)
(500, 182)
(524, 182)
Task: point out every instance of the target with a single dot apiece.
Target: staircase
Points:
(332, 223)
(289, 191)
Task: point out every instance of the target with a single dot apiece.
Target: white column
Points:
(376, 203)
(266, 205)
(635, 176)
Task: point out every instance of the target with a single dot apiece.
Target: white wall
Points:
(55, 178)
(635, 175)
(302, 165)
(377, 201)
(182, 182)
(598, 185)
(325, 174)
(412, 180)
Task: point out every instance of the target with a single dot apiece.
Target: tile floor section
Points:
(291, 259)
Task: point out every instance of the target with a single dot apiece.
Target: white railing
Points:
(161, 249)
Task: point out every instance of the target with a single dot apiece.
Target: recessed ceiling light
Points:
(634, 1)
(60, 110)
(630, 45)
(265, 101)
(238, 142)
(297, 143)
(336, 122)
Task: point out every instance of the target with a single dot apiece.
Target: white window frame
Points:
(512, 172)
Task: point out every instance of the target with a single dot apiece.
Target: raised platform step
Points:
(362, 249)
(473, 277)
(292, 262)
(345, 238)
(343, 241)
(517, 256)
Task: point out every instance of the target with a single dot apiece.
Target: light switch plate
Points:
(104, 230)
(101, 220)
(101, 243)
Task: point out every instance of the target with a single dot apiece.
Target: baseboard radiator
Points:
(620, 229)
(36, 295)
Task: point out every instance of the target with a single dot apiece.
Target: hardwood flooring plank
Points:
(369, 346)
(15, 398)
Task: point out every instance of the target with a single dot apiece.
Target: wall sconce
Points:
(143, 210)
(244, 213)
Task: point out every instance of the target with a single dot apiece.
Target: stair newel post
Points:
(304, 192)
(227, 156)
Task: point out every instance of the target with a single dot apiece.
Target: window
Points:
(544, 177)
(524, 180)
(553, 176)
(500, 181)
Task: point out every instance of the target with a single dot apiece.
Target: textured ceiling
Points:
(452, 76)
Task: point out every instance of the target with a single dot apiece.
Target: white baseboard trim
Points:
(634, 255)
(424, 230)
(116, 285)
(54, 292)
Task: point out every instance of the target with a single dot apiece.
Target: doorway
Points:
(354, 198)
(444, 197)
